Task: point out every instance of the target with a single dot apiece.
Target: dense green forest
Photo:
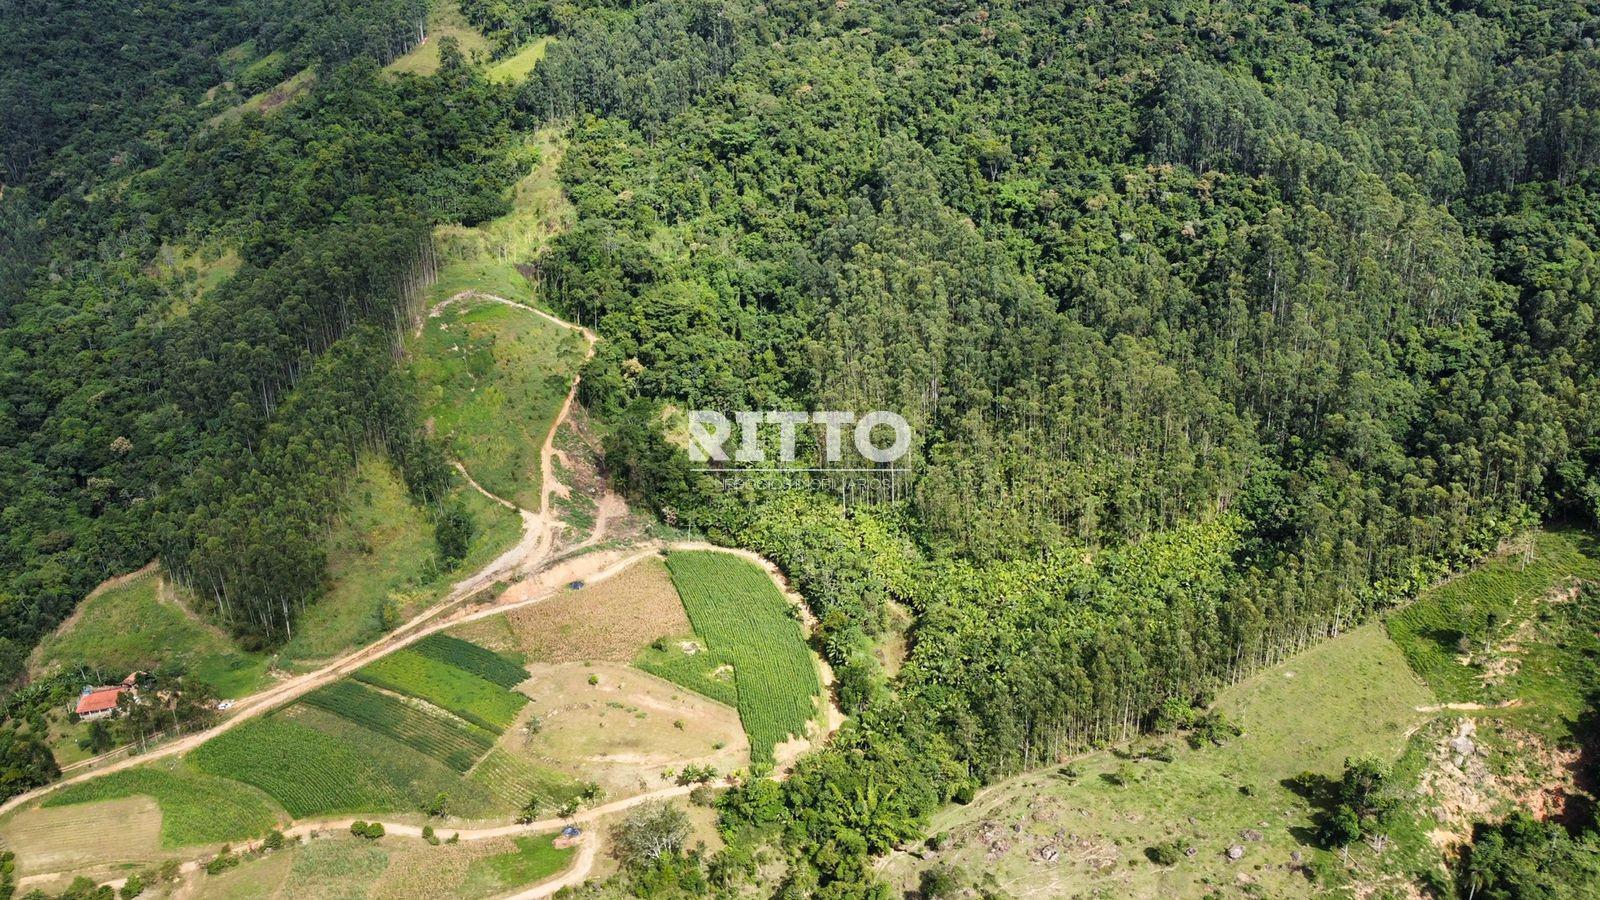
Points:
(138, 420)
(1220, 325)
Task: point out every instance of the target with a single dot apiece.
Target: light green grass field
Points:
(196, 808)
(141, 624)
(480, 702)
(445, 21)
(1440, 631)
(493, 380)
(1351, 696)
(739, 614)
(706, 672)
(535, 859)
(516, 67)
(382, 551)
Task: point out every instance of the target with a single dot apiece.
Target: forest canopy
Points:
(1220, 326)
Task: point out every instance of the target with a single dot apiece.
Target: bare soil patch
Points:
(611, 620)
(626, 731)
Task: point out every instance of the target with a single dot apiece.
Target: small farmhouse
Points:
(101, 702)
(98, 703)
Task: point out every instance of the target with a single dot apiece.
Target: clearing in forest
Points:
(141, 623)
(383, 562)
(493, 380)
(516, 67)
(444, 20)
(739, 614)
(1084, 828)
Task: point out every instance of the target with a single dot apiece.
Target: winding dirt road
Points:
(535, 577)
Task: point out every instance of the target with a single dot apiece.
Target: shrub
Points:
(1166, 853)
(222, 862)
(369, 830)
(939, 881)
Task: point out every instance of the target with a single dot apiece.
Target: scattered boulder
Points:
(1236, 852)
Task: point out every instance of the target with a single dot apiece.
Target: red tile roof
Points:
(98, 700)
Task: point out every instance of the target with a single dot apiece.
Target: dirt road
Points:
(534, 577)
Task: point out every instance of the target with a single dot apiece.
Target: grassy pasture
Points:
(444, 21)
(1431, 631)
(196, 807)
(493, 380)
(535, 859)
(141, 623)
(382, 552)
(706, 672)
(455, 742)
(1351, 696)
(516, 67)
(485, 664)
(739, 613)
(480, 702)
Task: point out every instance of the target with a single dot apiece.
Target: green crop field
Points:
(512, 780)
(196, 808)
(469, 696)
(455, 742)
(493, 379)
(484, 663)
(316, 763)
(306, 770)
(1432, 631)
(737, 610)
